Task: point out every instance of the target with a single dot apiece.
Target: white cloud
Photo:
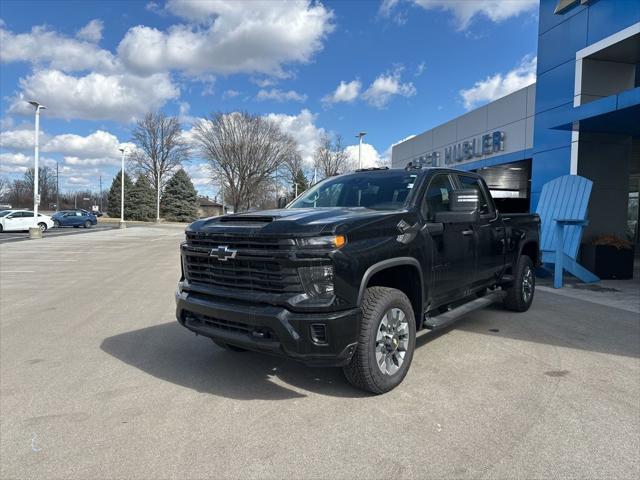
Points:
(303, 129)
(465, 11)
(230, 94)
(420, 69)
(370, 156)
(344, 92)
(95, 96)
(280, 95)
(22, 139)
(499, 85)
(386, 86)
(234, 37)
(90, 162)
(99, 144)
(11, 162)
(42, 46)
(92, 31)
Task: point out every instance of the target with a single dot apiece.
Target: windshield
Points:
(378, 191)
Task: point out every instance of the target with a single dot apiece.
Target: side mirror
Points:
(282, 202)
(463, 207)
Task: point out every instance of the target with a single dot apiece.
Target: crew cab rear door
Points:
(488, 233)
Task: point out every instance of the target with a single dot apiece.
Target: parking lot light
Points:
(122, 223)
(36, 196)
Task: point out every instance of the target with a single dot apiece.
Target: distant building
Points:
(208, 207)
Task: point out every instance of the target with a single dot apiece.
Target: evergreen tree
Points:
(142, 200)
(113, 199)
(179, 198)
(301, 181)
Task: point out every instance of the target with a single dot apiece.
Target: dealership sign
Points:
(477, 147)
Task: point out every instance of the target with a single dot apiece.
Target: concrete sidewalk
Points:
(97, 380)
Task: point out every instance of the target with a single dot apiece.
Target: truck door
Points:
(489, 233)
(453, 267)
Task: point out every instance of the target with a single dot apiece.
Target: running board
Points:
(447, 318)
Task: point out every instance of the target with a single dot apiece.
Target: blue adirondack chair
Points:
(563, 212)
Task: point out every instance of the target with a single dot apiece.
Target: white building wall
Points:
(512, 114)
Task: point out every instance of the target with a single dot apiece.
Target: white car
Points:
(17, 220)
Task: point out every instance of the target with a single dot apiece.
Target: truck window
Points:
(437, 197)
(474, 183)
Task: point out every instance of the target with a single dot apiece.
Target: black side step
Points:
(447, 318)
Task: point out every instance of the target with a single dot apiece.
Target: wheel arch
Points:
(402, 273)
(531, 249)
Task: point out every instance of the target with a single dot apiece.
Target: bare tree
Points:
(244, 151)
(46, 184)
(330, 157)
(161, 149)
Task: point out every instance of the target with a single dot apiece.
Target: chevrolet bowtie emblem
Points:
(223, 253)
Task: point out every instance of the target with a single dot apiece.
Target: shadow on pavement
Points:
(562, 322)
(171, 353)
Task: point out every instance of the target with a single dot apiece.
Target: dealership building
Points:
(582, 116)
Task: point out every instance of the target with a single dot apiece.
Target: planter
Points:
(607, 261)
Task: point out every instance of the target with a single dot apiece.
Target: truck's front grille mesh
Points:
(258, 264)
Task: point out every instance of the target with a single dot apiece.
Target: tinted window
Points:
(474, 183)
(380, 191)
(437, 196)
(27, 214)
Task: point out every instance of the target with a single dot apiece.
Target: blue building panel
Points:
(548, 20)
(545, 167)
(560, 44)
(607, 17)
(556, 87)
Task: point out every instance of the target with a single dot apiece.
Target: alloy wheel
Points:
(392, 340)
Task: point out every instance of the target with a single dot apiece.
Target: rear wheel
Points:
(87, 224)
(386, 342)
(226, 346)
(42, 227)
(520, 294)
(1, 228)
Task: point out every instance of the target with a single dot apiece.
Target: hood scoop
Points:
(246, 219)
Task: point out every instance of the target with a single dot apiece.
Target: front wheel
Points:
(520, 294)
(386, 342)
(87, 224)
(42, 227)
(56, 224)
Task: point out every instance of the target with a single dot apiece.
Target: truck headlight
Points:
(335, 241)
(317, 280)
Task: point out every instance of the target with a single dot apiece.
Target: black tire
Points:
(42, 227)
(56, 224)
(363, 371)
(87, 224)
(1, 228)
(226, 346)
(520, 294)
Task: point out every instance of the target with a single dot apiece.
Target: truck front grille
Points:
(259, 265)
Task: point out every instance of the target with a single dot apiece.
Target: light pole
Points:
(359, 136)
(122, 224)
(35, 232)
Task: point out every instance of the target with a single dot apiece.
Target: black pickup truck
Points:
(348, 272)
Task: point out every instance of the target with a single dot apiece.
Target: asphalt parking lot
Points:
(8, 237)
(99, 381)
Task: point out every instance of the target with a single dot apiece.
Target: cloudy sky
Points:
(392, 68)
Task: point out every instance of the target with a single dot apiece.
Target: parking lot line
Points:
(17, 271)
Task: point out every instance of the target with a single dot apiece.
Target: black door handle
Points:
(466, 233)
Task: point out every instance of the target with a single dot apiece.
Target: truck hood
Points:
(297, 221)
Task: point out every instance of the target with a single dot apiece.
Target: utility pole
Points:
(100, 192)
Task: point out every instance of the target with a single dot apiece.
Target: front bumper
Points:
(271, 329)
